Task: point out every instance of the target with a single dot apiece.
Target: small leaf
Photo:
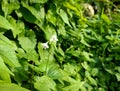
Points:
(87, 56)
(94, 71)
(83, 41)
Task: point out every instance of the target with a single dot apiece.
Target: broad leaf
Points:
(42, 53)
(44, 83)
(7, 7)
(18, 26)
(4, 71)
(27, 42)
(105, 18)
(32, 10)
(5, 23)
(64, 16)
(117, 76)
(6, 42)
(38, 1)
(9, 56)
(55, 72)
(11, 87)
(75, 87)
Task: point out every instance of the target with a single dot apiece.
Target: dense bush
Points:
(53, 45)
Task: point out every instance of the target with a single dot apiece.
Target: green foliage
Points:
(51, 45)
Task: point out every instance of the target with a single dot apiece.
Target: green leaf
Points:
(44, 83)
(71, 7)
(6, 42)
(49, 31)
(27, 15)
(109, 71)
(32, 55)
(117, 68)
(32, 10)
(85, 65)
(83, 41)
(9, 56)
(11, 87)
(92, 81)
(54, 72)
(75, 87)
(38, 1)
(94, 71)
(3, 67)
(71, 69)
(105, 18)
(117, 76)
(4, 71)
(5, 23)
(8, 7)
(64, 16)
(18, 26)
(42, 53)
(20, 74)
(51, 17)
(87, 56)
(27, 42)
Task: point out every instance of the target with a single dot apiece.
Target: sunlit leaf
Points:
(6, 42)
(55, 73)
(92, 81)
(105, 18)
(117, 76)
(44, 83)
(11, 87)
(5, 23)
(4, 71)
(9, 56)
(8, 7)
(27, 42)
(75, 87)
(18, 26)
(64, 16)
(38, 1)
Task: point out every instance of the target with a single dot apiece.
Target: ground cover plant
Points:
(59, 45)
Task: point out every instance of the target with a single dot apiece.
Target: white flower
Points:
(45, 45)
(54, 38)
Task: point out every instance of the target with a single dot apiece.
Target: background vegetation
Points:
(56, 45)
